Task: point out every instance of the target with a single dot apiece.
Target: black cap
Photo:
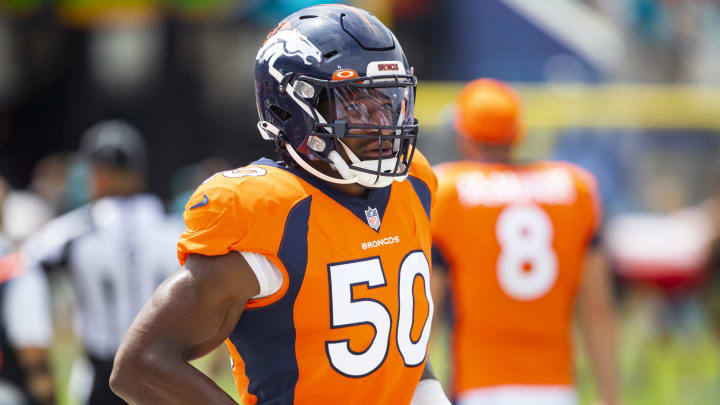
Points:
(114, 143)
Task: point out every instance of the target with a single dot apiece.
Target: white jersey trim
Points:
(268, 275)
(520, 395)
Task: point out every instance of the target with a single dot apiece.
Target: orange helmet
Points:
(488, 111)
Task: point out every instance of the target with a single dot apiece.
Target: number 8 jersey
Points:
(351, 322)
(514, 239)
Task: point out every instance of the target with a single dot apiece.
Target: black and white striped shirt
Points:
(118, 250)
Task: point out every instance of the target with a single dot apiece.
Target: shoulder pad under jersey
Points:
(420, 169)
(242, 209)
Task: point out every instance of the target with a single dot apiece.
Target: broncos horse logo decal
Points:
(288, 42)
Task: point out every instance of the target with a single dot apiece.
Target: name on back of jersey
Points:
(550, 186)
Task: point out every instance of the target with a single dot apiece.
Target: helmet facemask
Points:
(379, 109)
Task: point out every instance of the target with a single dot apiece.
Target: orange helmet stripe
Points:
(356, 11)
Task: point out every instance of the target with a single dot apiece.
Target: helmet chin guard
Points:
(363, 177)
(350, 175)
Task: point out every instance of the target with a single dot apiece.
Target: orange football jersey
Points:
(351, 323)
(514, 240)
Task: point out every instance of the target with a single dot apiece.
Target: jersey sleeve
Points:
(212, 226)
(246, 213)
(238, 213)
(590, 199)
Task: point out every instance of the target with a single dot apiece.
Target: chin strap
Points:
(269, 132)
(351, 155)
(341, 166)
(299, 160)
(349, 176)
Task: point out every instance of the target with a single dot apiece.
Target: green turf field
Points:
(658, 367)
(680, 367)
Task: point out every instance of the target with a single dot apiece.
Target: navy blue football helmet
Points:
(331, 72)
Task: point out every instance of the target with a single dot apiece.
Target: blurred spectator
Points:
(23, 212)
(118, 248)
(669, 40)
(46, 196)
(25, 331)
(49, 179)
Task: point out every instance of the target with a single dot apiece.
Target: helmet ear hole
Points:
(323, 103)
(280, 112)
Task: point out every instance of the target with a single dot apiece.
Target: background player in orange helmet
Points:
(315, 270)
(519, 241)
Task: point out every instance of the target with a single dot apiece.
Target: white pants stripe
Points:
(520, 395)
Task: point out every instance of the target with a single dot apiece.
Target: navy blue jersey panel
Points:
(423, 193)
(265, 337)
(266, 162)
(376, 198)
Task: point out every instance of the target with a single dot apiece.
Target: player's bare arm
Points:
(597, 325)
(189, 315)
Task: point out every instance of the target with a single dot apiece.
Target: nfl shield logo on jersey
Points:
(373, 218)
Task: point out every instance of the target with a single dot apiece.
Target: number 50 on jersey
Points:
(347, 311)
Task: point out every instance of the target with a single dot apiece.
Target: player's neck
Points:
(353, 189)
(495, 159)
(501, 154)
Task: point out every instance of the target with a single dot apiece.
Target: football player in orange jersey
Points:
(314, 270)
(519, 241)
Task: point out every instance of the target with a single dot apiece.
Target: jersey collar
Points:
(376, 197)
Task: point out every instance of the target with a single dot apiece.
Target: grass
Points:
(659, 366)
